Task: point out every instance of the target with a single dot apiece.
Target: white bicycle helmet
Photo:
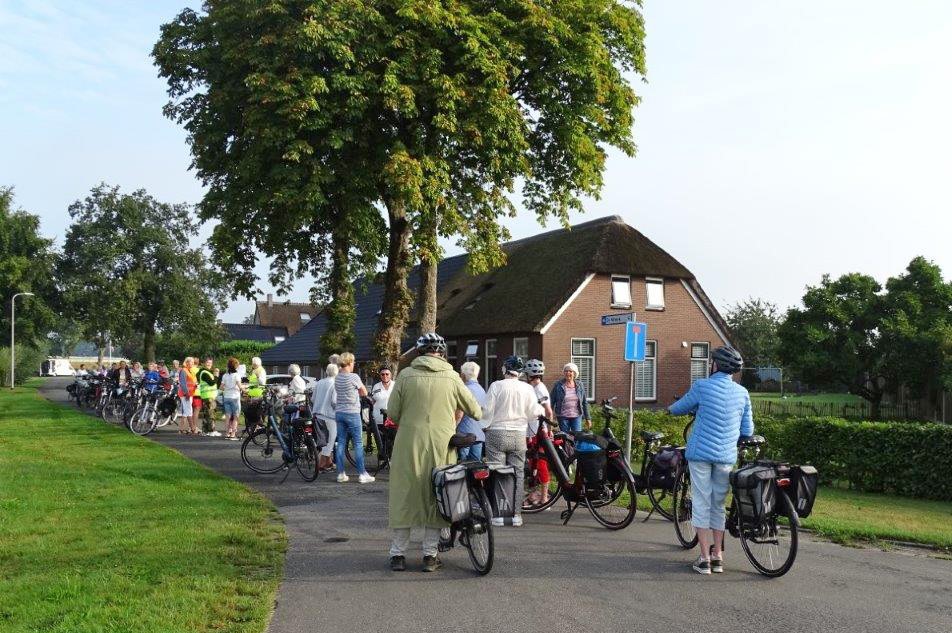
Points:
(535, 367)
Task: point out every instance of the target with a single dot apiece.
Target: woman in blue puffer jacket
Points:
(723, 416)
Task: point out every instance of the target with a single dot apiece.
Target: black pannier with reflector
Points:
(452, 492)
(502, 490)
(802, 490)
(755, 492)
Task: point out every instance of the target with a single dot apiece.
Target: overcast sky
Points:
(777, 141)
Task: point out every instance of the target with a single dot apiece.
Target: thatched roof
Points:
(543, 271)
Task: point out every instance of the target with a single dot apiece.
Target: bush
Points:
(29, 361)
(240, 349)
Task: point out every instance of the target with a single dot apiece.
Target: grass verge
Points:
(101, 530)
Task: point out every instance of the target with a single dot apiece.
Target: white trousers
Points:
(401, 541)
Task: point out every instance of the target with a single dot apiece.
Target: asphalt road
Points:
(551, 578)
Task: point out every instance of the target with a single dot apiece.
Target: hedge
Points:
(901, 458)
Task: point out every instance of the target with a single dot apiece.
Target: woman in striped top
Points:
(349, 388)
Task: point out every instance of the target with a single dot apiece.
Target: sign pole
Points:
(631, 413)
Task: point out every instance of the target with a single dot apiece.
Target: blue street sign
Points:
(635, 336)
(618, 319)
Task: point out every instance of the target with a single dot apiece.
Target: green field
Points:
(814, 398)
(101, 530)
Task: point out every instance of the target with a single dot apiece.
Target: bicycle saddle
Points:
(651, 436)
(753, 440)
(460, 440)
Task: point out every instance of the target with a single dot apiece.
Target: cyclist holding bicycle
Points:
(535, 369)
(722, 416)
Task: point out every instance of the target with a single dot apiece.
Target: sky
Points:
(777, 141)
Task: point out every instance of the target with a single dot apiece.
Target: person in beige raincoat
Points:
(424, 401)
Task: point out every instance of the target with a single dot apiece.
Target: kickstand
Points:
(287, 471)
(649, 514)
(567, 514)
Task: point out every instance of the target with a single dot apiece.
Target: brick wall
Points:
(680, 321)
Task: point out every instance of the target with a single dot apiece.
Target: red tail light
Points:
(783, 482)
(614, 454)
(309, 428)
(481, 474)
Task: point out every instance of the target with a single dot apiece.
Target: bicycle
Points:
(771, 544)
(286, 438)
(377, 443)
(612, 499)
(157, 409)
(475, 532)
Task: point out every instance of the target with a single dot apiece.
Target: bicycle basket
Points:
(803, 487)
(502, 490)
(452, 492)
(755, 491)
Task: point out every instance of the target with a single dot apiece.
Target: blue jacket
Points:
(723, 416)
(558, 395)
(468, 424)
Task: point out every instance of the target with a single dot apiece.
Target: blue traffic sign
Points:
(635, 336)
(618, 319)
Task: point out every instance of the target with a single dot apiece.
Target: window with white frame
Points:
(583, 355)
(489, 370)
(621, 291)
(646, 374)
(305, 317)
(520, 347)
(700, 361)
(278, 339)
(472, 350)
(654, 290)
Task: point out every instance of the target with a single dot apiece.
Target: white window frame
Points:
(590, 396)
(279, 339)
(487, 374)
(648, 304)
(698, 359)
(305, 317)
(625, 305)
(654, 374)
(515, 341)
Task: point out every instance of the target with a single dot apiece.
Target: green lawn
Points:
(813, 398)
(104, 531)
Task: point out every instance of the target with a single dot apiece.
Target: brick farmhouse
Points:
(548, 301)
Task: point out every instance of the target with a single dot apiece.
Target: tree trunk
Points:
(148, 345)
(339, 334)
(397, 300)
(427, 315)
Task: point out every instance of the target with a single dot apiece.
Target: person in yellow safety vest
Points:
(256, 379)
(208, 391)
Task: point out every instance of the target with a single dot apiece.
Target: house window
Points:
(654, 289)
(700, 361)
(278, 339)
(451, 353)
(583, 355)
(621, 291)
(305, 317)
(472, 350)
(646, 374)
(489, 371)
(520, 347)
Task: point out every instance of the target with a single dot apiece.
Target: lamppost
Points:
(13, 318)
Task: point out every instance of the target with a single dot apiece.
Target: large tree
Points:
(27, 260)
(128, 270)
(754, 324)
(833, 340)
(302, 111)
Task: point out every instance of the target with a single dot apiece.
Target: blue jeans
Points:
(474, 452)
(349, 425)
(709, 484)
(570, 424)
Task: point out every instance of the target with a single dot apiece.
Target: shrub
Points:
(29, 361)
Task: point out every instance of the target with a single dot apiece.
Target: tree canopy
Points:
(27, 260)
(754, 324)
(128, 269)
(301, 112)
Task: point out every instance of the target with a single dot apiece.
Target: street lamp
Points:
(13, 318)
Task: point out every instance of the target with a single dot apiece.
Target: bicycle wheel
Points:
(261, 451)
(683, 528)
(772, 547)
(660, 498)
(372, 450)
(613, 504)
(142, 422)
(306, 453)
(477, 533)
(113, 411)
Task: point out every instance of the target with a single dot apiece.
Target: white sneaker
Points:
(498, 522)
(366, 478)
(517, 521)
(342, 478)
(214, 434)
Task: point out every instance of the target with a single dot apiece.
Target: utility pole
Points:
(13, 319)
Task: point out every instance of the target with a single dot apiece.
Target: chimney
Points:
(270, 300)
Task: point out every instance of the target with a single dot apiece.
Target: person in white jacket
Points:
(510, 405)
(324, 406)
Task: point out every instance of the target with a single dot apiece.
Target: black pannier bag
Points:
(592, 459)
(452, 492)
(665, 468)
(803, 486)
(502, 490)
(755, 491)
(321, 433)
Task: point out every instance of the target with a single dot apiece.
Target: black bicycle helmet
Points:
(513, 365)
(535, 367)
(431, 342)
(728, 360)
